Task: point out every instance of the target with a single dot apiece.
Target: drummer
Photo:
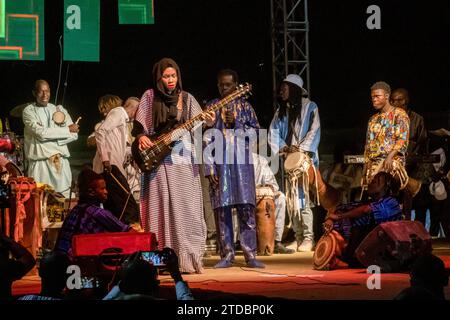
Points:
(355, 220)
(48, 131)
(296, 127)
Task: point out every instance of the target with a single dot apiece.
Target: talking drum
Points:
(328, 251)
(265, 220)
(58, 116)
(398, 172)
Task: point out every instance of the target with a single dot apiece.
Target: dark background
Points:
(411, 50)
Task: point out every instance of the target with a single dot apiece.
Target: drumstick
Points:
(78, 120)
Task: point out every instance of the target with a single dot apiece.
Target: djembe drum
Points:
(265, 220)
(328, 251)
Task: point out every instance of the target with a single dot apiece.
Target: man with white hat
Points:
(296, 127)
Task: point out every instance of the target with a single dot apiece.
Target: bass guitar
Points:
(149, 159)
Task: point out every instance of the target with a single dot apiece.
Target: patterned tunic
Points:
(236, 178)
(171, 195)
(87, 218)
(387, 131)
(382, 210)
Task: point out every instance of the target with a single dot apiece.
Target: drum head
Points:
(327, 251)
(292, 161)
(262, 192)
(59, 117)
(324, 252)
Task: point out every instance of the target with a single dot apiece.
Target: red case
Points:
(129, 242)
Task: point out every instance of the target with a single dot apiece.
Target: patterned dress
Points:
(171, 196)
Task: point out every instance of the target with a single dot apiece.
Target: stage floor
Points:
(285, 277)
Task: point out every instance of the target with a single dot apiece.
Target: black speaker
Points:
(394, 246)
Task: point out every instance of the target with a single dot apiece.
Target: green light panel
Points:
(22, 30)
(2, 18)
(82, 30)
(136, 12)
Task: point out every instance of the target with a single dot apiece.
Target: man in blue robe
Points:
(231, 173)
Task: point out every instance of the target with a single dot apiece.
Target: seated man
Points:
(354, 221)
(138, 279)
(87, 216)
(265, 176)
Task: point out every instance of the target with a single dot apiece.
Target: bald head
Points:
(41, 92)
(131, 105)
(39, 83)
(400, 98)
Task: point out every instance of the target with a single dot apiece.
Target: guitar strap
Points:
(185, 112)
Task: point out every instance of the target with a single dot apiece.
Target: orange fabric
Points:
(22, 195)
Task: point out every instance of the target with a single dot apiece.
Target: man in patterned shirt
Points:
(387, 131)
(87, 216)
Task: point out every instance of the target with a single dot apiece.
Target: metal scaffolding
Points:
(290, 48)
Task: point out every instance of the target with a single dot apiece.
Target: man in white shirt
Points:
(48, 131)
(112, 138)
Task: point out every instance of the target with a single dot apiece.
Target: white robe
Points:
(46, 146)
(111, 139)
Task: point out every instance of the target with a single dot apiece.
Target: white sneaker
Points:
(306, 246)
(293, 245)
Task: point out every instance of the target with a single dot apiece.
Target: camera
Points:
(157, 258)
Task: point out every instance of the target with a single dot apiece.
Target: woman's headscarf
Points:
(165, 104)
